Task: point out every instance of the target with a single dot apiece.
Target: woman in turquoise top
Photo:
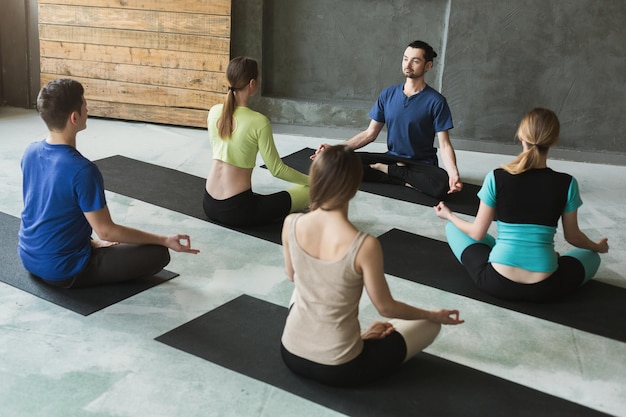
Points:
(527, 199)
(237, 134)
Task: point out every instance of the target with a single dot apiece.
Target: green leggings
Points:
(299, 197)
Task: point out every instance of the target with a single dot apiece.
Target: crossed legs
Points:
(426, 178)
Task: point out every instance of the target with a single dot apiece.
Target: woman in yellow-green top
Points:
(237, 134)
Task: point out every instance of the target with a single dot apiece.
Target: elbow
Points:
(106, 233)
(578, 243)
(477, 235)
(369, 137)
(289, 275)
(574, 239)
(278, 171)
(387, 310)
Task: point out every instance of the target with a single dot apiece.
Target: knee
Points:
(590, 261)
(299, 198)
(431, 331)
(441, 184)
(417, 334)
(457, 240)
(163, 255)
(441, 188)
(451, 230)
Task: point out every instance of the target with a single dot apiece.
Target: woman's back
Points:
(235, 157)
(325, 235)
(241, 148)
(527, 199)
(330, 262)
(537, 196)
(528, 207)
(323, 325)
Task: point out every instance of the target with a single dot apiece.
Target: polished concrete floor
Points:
(54, 362)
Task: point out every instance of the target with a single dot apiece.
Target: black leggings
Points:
(379, 357)
(248, 208)
(118, 263)
(567, 278)
(424, 176)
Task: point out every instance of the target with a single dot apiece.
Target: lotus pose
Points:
(527, 199)
(237, 134)
(330, 262)
(414, 114)
(64, 203)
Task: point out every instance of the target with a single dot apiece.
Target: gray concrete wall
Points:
(569, 56)
(324, 62)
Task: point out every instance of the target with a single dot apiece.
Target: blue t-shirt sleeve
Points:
(442, 116)
(89, 189)
(487, 192)
(378, 110)
(573, 197)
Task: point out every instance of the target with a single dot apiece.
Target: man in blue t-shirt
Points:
(414, 114)
(64, 202)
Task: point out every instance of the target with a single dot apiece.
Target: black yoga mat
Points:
(80, 300)
(465, 201)
(170, 189)
(244, 335)
(596, 308)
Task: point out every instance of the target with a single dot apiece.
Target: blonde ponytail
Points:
(539, 129)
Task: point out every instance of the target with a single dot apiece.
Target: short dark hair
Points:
(429, 53)
(334, 177)
(57, 100)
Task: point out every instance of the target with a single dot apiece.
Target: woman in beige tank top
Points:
(330, 262)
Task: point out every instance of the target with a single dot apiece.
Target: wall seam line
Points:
(444, 46)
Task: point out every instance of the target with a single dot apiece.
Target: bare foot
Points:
(380, 167)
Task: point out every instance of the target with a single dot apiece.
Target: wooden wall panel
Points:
(157, 61)
(114, 37)
(217, 7)
(137, 56)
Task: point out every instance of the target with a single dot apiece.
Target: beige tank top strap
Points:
(292, 232)
(356, 245)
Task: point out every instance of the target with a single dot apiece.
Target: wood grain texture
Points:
(135, 56)
(142, 20)
(160, 61)
(132, 38)
(218, 7)
(158, 76)
(150, 114)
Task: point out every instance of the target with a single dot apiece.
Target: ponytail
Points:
(225, 123)
(240, 71)
(525, 161)
(539, 129)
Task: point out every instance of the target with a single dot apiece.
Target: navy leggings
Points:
(379, 357)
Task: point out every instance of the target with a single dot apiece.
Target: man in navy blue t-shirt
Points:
(414, 114)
